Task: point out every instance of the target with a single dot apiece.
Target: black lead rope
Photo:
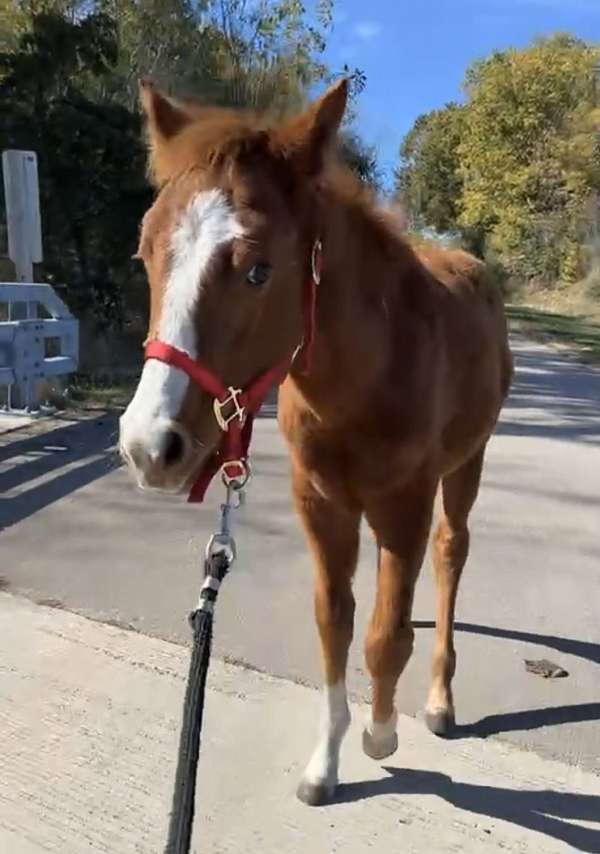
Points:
(201, 620)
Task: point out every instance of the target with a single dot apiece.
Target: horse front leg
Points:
(332, 533)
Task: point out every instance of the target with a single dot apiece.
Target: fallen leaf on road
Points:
(545, 668)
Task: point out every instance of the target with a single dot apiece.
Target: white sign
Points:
(21, 190)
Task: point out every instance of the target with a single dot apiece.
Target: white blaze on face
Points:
(207, 223)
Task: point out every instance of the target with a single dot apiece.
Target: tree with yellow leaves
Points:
(525, 165)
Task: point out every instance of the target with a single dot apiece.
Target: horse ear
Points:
(165, 117)
(313, 133)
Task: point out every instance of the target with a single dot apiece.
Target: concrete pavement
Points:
(89, 715)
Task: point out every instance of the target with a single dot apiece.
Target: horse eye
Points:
(258, 274)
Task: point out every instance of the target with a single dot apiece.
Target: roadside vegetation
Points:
(511, 172)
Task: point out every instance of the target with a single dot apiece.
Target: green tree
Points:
(164, 40)
(361, 158)
(519, 184)
(91, 161)
(69, 89)
(428, 181)
(271, 53)
(512, 170)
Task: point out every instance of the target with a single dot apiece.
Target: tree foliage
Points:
(91, 163)
(69, 72)
(429, 179)
(513, 169)
(361, 158)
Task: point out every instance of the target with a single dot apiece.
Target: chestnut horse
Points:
(409, 369)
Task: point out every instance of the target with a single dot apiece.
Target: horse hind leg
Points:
(401, 523)
(450, 551)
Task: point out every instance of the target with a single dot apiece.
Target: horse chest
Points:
(339, 465)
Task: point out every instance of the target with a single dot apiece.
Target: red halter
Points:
(235, 408)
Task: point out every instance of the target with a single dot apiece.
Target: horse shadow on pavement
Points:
(543, 810)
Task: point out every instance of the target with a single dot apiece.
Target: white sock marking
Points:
(335, 720)
(380, 739)
(382, 732)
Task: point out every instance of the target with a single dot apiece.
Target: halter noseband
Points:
(235, 408)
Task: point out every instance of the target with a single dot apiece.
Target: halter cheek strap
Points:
(236, 408)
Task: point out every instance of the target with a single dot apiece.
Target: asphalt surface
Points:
(77, 535)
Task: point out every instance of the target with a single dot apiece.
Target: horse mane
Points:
(213, 136)
(219, 138)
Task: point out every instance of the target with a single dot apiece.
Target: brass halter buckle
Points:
(238, 411)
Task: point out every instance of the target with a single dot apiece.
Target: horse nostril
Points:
(173, 448)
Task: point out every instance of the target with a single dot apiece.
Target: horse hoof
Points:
(440, 723)
(315, 794)
(381, 747)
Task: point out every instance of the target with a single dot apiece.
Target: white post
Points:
(21, 191)
(23, 360)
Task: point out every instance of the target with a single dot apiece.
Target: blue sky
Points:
(415, 52)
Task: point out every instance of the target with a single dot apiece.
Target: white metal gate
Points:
(39, 339)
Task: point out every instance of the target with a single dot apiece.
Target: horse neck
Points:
(361, 286)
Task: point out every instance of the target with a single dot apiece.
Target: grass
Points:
(577, 332)
(93, 393)
(567, 315)
(87, 392)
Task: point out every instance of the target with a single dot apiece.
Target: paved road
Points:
(78, 535)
